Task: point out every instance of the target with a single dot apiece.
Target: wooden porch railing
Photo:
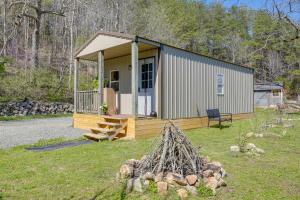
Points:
(88, 101)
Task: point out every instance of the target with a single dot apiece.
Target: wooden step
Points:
(109, 124)
(96, 137)
(115, 118)
(103, 130)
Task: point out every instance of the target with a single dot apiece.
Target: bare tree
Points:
(4, 26)
(38, 12)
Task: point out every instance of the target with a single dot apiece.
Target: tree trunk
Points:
(36, 36)
(71, 45)
(4, 28)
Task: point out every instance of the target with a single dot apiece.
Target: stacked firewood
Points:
(174, 162)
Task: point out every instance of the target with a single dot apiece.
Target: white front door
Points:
(146, 98)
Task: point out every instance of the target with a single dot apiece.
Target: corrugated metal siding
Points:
(190, 87)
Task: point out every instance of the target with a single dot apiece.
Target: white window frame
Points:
(110, 81)
(223, 84)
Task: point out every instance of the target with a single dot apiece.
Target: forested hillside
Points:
(39, 37)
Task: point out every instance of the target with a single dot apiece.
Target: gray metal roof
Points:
(267, 86)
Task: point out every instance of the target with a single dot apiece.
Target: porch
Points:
(128, 71)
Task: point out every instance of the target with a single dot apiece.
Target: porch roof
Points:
(114, 44)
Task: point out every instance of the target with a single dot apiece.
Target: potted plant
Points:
(104, 108)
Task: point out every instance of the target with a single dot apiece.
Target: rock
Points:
(260, 135)
(250, 146)
(234, 150)
(211, 183)
(133, 162)
(221, 183)
(159, 177)
(223, 172)
(162, 188)
(149, 176)
(179, 180)
(191, 179)
(217, 175)
(259, 150)
(192, 190)
(146, 183)
(214, 166)
(137, 185)
(250, 134)
(169, 178)
(208, 173)
(126, 171)
(182, 193)
(129, 185)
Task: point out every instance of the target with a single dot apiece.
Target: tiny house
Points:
(149, 82)
(268, 94)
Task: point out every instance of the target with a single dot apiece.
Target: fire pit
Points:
(174, 162)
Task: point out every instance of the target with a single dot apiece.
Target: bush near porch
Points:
(88, 171)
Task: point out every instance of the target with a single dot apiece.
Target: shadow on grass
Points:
(220, 127)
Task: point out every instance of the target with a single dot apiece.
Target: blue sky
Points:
(257, 4)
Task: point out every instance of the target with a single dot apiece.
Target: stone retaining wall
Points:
(28, 107)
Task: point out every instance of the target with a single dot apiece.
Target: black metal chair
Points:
(215, 115)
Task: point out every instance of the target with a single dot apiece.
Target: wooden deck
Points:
(145, 127)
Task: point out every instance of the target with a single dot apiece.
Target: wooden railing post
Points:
(100, 78)
(76, 65)
(134, 77)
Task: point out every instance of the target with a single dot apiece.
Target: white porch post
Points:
(134, 77)
(76, 65)
(100, 78)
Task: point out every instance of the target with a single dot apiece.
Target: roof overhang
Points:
(114, 44)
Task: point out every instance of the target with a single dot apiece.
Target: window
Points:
(220, 84)
(114, 80)
(147, 73)
(276, 93)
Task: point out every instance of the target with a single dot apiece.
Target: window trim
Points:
(110, 81)
(223, 84)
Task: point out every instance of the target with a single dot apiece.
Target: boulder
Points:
(137, 185)
(223, 172)
(179, 180)
(149, 176)
(133, 162)
(182, 193)
(206, 159)
(162, 188)
(259, 135)
(126, 171)
(208, 173)
(212, 183)
(234, 149)
(217, 175)
(191, 179)
(192, 190)
(129, 185)
(159, 177)
(221, 182)
(250, 146)
(259, 150)
(250, 134)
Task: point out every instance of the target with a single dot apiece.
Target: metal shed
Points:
(268, 94)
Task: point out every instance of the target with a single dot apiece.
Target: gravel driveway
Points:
(14, 133)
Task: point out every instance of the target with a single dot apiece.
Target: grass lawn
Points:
(28, 117)
(88, 171)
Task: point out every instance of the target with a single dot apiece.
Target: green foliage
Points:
(152, 187)
(104, 108)
(40, 84)
(205, 191)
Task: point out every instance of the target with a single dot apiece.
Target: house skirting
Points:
(147, 127)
